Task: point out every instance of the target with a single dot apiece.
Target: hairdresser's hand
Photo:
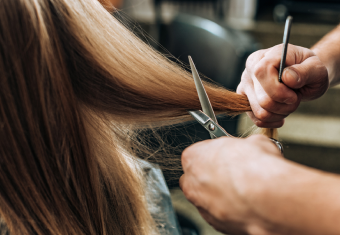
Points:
(305, 78)
(221, 179)
(245, 186)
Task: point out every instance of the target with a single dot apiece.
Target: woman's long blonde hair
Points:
(74, 84)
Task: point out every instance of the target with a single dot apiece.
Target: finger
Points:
(187, 155)
(241, 90)
(262, 124)
(254, 58)
(247, 86)
(189, 187)
(309, 71)
(245, 82)
(191, 154)
(267, 103)
(266, 72)
(260, 116)
(185, 186)
(311, 75)
(265, 143)
(295, 55)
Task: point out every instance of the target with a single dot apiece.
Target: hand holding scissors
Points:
(207, 118)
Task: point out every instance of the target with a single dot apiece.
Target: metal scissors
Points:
(207, 118)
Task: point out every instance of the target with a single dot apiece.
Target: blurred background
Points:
(220, 35)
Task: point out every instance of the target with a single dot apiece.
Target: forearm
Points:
(299, 200)
(328, 50)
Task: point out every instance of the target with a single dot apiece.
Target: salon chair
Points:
(218, 52)
(195, 7)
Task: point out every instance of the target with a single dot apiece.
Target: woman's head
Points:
(74, 84)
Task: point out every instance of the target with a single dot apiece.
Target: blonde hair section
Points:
(76, 87)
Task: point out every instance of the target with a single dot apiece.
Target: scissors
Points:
(207, 118)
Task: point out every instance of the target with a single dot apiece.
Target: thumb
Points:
(310, 72)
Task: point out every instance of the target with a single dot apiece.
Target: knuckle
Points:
(260, 69)
(321, 70)
(300, 53)
(182, 182)
(244, 77)
(245, 80)
(244, 74)
(221, 214)
(252, 58)
(190, 194)
(240, 89)
(266, 103)
(278, 47)
(292, 108)
(305, 52)
(257, 138)
(260, 124)
(275, 49)
(278, 95)
(186, 156)
(280, 124)
(192, 153)
(186, 191)
(276, 124)
(310, 52)
(249, 62)
(263, 115)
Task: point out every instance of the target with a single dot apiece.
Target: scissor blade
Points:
(214, 129)
(202, 95)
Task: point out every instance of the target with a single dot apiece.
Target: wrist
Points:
(260, 196)
(328, 50)
(329, 64)
(281, 192)
(298, 200)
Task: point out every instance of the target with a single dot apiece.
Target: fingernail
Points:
(292, 74)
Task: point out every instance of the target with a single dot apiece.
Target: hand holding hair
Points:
(304, 78)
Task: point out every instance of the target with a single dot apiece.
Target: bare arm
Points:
(300, 200)
(328, 50)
